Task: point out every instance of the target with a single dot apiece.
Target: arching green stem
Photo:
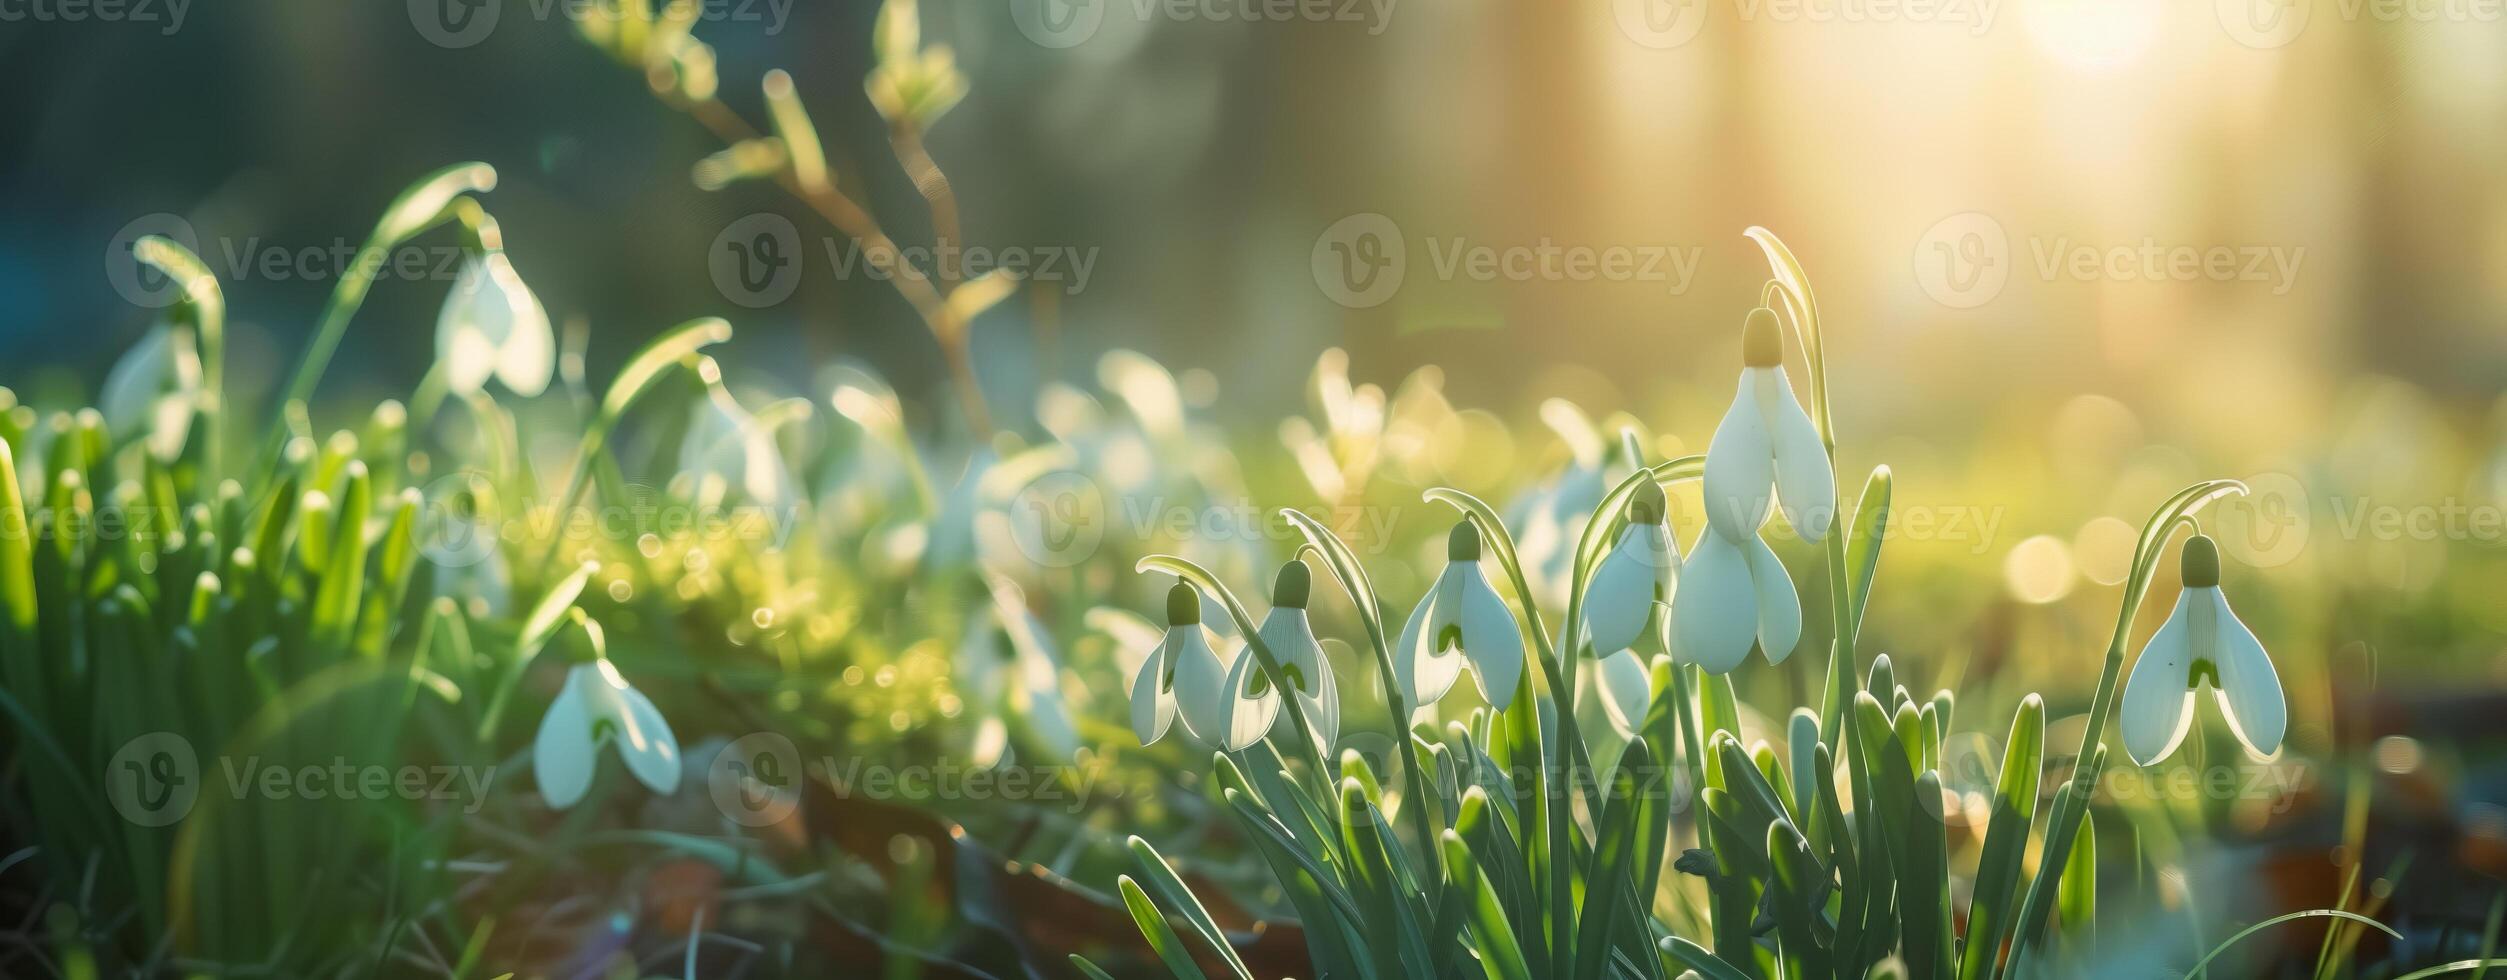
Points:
(424, 205)
(2177, 511)
(1801, 306)
(1353, 580)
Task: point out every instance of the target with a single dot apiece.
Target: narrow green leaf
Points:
(423, 202)
(1862, 549)
(1691, 956)
(1493, 935)
(2079, 898)
(336, 601)
(2006, 841)
(2335, 914)
(1162, 938)
(1162, 876)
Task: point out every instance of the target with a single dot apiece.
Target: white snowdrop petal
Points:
(1421, 670)
(1250, 717)
(1779, 608)
(1627, 690)
(1153, 708)
(1622, 593)
(527, 356)
(1713, 615)
(2158, 705)
(1740, 467)
(1490, 638)
(561, 755)
(2250, 689)
(1202, 696)
(469, 329)
(645, 741)
(131, 389)
(1805, 486)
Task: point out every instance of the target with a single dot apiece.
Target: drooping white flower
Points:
(1291, 639)
(1729, 595)
(733, 453)
(1461, 621)
(1767, 440)
(492, 326)
(1185, 678)
(1732, 588)
(598, 707)
(1017, 685)
(153, 390)
(1626, 678)
(1635, 578)
(2202, 642)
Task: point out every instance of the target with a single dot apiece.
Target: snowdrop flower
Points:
(1634, 578)
(2202, 642)
(1185, 678)
(598, 707)
(733, 453)
(1292, 643)
(1461, 620)
(1733, 589)
(1626, 678)
(1766, 439)
(1020, 682)
(492, 326)
(153, 390)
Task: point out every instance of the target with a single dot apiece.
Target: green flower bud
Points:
(2201, 562)
(1183, 606)
(1464, 543)
(1762, 340)
(1290, 590)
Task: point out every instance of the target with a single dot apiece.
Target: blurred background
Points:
(2069, 255)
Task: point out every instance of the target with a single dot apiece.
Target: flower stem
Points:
(1352, 578)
